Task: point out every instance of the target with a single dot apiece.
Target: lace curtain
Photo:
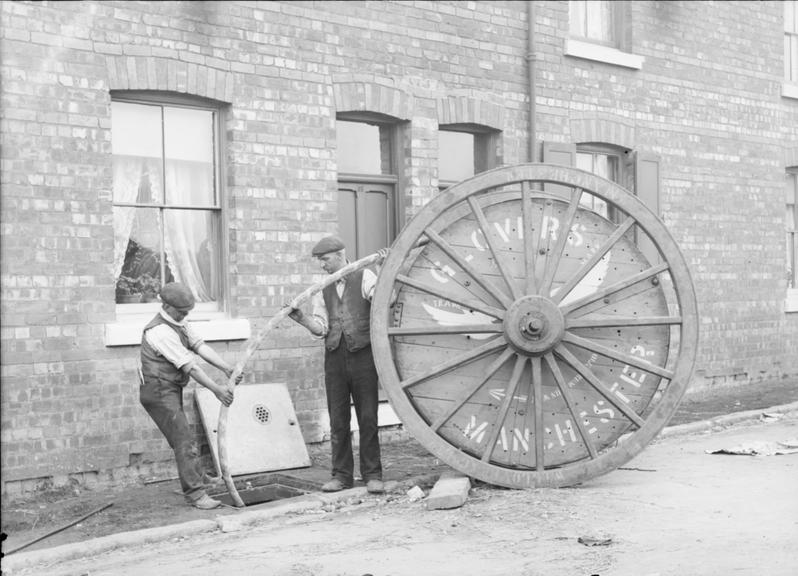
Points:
(187, 232)
(131, 174)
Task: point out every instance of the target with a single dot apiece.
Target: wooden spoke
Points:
(617, 287)
(570, 403)
(463, 281)
(460, 329)
(479, 277)
(591, 378)
(553, 263)
(592, 261)
(537, 388)
(465, 302)
(531, 238)
(622, 321)
(488, 233)
(466, 394)
(498, 423)
(543, 250)
(459, 360)
(629, 359)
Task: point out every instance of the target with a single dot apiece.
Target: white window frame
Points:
(211, 320)
(616, 53)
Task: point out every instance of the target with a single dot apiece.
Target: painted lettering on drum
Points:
(508, 233)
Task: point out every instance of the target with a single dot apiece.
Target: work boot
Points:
(205, 502)
(375, 486)
(334, 485)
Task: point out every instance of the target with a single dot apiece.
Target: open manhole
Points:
(266, 488)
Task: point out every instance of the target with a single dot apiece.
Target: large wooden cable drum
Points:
(535, 325)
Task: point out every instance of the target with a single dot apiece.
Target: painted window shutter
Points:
(559, 153)
(647, 187)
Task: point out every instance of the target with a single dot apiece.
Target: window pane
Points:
(138, 232)
(577, 18)
(192, 253)
(136, 130)
(584, 161)
(358, 148)
(189, 157)
(592, 19)
(136, 148)
(137, 179)
(599, 20)
(604, 165)
(379, 215)
(455, 155)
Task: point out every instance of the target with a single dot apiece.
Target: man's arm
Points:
(223, 393)
(309, 322)
(166, 341)
(211, 357)
(315, 323)
(369, 282)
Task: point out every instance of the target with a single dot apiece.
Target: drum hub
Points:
(534, 325)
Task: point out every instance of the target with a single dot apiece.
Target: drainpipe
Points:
(530, 64)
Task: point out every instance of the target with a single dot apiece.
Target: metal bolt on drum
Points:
(534, 326)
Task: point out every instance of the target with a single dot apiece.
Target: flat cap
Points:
(326, 245)
(177, 295)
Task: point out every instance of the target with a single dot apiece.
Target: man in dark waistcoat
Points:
(341, 315)
(169, 350)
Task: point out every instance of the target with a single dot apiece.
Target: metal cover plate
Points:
(263, 432)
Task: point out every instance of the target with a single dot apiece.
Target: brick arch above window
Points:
(373, 97)
(605, 131)
(164, 74)
(468, 110)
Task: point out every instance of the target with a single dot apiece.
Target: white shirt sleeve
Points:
(369, 284)
(319, 312)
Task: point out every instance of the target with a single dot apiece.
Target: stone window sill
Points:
(791, 304)
(789, 90)
(127, 332)
(601, 53)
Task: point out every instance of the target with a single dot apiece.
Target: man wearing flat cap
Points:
(169, 357)
(341, 314)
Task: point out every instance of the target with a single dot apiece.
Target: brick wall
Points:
(707, 101)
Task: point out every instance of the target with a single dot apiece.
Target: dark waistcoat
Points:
(348, 316)
(153, 364)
